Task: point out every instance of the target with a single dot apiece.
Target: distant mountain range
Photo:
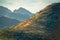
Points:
(20, 14)
(8, 18)
(45, 25)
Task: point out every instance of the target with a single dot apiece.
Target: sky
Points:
(31, 5)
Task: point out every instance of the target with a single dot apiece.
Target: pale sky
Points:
(31, 5)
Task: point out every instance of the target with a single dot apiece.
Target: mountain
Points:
(6, 22)
(23, 11)
(20, 14)
(45, 25)
(8, 18)
(4, 11)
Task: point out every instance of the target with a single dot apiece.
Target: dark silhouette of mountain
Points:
(6, 22)
(45, 25)
(4, 11)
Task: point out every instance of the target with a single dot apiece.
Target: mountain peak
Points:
(24, 11)
(22, 14)
(21, 9)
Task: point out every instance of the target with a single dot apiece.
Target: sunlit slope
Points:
(44, 22)
(30, 25)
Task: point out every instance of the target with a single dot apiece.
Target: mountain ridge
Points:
(21, 12)
(19, 16)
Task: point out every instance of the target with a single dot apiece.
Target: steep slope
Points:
(6, 22)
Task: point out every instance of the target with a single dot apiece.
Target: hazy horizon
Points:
(31, 5)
